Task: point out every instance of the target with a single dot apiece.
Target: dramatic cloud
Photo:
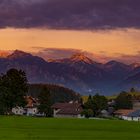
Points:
(128, 59)
(56, 53)
(70, 14)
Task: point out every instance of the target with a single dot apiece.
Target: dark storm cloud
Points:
(70, 14)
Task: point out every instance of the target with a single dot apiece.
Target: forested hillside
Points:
(58, 93)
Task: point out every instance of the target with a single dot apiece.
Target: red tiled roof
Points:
(30, 101)
(123, 112)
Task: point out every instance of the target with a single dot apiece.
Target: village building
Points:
(67, 110)
(18, 110)
(128, 114)
(123, 114)
(30, 109)
(135, 116)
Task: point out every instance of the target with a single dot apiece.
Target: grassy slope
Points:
(20, 128)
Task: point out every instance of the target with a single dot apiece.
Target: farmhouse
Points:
(135, 116)
(29, 110)
(70, 110)
(128, 114)
(123, 114)
(18, 110)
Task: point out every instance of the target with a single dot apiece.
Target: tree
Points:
(96, 103)
(124, 101)
(45, 102)
(13, 89)
(89, 103)
(99, 103)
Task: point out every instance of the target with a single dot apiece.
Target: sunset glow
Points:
(107, 42)
(109, 29)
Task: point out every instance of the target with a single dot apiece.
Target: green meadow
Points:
(27, 128)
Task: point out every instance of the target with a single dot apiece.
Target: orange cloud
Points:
(106, 43)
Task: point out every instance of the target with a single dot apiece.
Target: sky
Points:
(102, 29)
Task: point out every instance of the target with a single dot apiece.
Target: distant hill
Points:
(58, 93)
(78, 72)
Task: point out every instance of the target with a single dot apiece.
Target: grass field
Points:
(23, 128)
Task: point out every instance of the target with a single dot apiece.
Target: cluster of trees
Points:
(124, 101)
(13, 89)
(58, 93)
(95, 105)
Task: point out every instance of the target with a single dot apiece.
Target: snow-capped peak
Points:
(80, 57)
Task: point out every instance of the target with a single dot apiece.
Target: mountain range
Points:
(78, 72)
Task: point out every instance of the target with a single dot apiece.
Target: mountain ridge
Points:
(78, 72)
(75, 57)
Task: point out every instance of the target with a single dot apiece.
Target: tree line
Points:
(95, 104)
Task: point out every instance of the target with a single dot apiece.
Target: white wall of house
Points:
(18, 110)
(32, 111)
(130, 118)
(81, 116)
(136, 118)
(55, 111)
(127, 118)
